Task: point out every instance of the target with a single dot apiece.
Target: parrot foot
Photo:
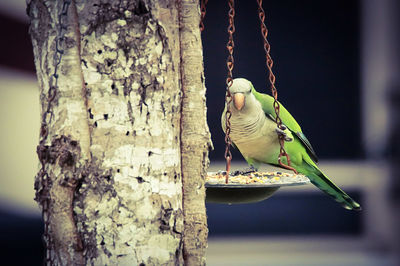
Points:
(281, 132)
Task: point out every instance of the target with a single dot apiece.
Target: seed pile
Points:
(256, 178)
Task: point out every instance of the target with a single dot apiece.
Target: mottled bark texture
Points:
(121, 128)
(195, 136)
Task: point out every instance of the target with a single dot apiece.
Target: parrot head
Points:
(241, 93)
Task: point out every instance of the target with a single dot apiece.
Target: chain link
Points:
(203, 5)
(271, 76)
(42, 193)
(230, 63)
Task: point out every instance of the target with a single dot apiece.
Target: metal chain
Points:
(42, 194)
(203, 4)
(228, 98)
(270, 63)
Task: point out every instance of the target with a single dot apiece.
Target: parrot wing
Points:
(288, 120)
(308, 146)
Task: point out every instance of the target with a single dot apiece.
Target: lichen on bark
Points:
(112, 148)
(135, 214)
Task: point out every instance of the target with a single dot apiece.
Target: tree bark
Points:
(195, 135)
(123, 126)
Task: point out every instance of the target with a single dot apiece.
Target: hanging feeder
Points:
(248, 187)
(251, 186)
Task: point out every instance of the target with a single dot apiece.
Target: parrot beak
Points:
(238, 100)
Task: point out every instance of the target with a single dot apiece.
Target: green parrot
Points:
(255, 133)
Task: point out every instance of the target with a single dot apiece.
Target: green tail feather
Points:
(321, 181)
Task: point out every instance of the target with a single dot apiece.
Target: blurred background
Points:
(337, 66)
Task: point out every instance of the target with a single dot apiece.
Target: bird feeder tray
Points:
(248, 187)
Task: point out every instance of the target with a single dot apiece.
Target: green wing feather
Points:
(300, 147)
(308, 146)
(320, 180)
(287, 119)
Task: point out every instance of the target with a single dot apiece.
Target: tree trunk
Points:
(195, 136)
(124, 140)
